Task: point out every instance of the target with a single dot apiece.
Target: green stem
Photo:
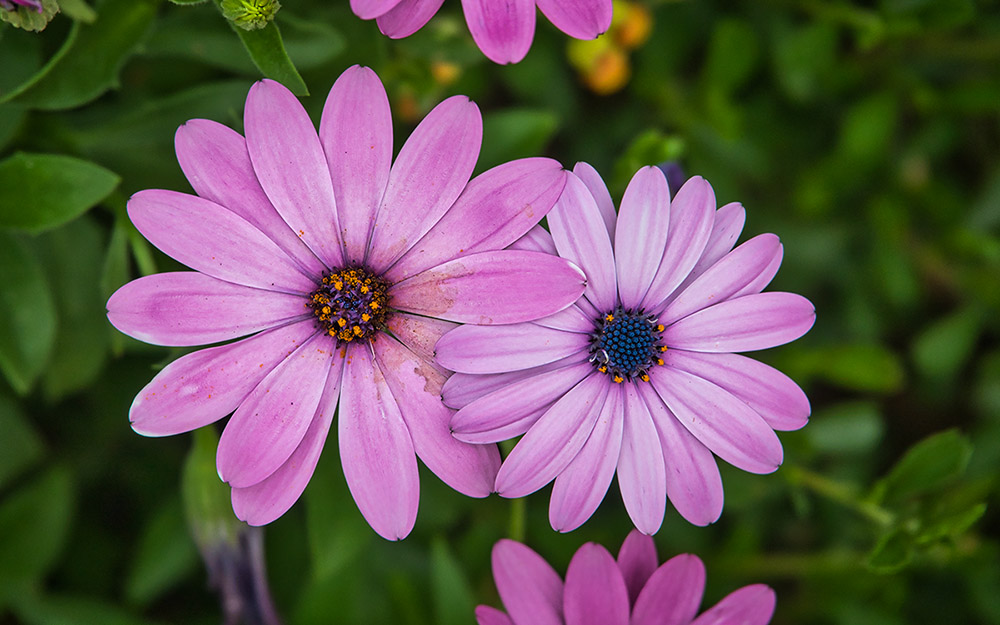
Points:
(518, 507)
(841, 493)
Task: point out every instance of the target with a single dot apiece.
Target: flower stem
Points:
(843, 494)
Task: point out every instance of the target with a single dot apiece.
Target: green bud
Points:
(29, 15)
(250, 14)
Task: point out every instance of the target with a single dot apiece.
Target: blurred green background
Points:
(866, 135)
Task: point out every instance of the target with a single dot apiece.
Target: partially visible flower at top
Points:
(503, 29)
(32, 4)
(250, 14)
(602, 591)
(346, 267)
(637, 378)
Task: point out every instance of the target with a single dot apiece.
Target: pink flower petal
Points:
(429, 174)
(641, 476)
(537, 239)
(581, 237)
(206, 385)
(594, 182)
(530, 589)
(673, 593)
(407, 17)
(750, 605)
(496, 349)
(554, 440)
(726, 229)
(216, 162)
(461, 389)
(582, 19)
(510, 411)
(270, 498)
(485, 615)
(694, 485)
(581, 486)
(420, 334)
(771, 393)
(744, 324)
(271, 421)
(725, 424)
(368, 9)
(215, 241)
(416, 386)
(376, 449)
(637, 560)
(496, 208)
(595, 592)
(291, 166)
(503, 29)
(764, 278)
(571, 319)
(736, 270)
(692, 216)
(505, 286)
(641, 233)
(189, 308)
(356, 134)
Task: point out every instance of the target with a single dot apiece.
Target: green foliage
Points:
(27, 315)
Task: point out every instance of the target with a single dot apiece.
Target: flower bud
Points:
(250, 14)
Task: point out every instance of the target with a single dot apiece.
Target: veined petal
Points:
(215, 161)
(726, 229)
(771, 393)
(376, 450)
(206, 385)
(469, 469)
(641, 233)
(407, 17)
(554, 440)
(582, 19)
(581, 237)
(750, 605)
(368, 9)
(641, 476)
(725, 424)
(502, 29)
(485, 615)
(724, 279)
(291, 167)
(429, 174)
(420, 334)
(496, 349)
(215, 241)
(581, 486)
(595, 592)
(594, 182)
(461, 389)
(356, 134)
(530, 589)
(188, 308)
(692, 215)
(505, 286)
(744, 324)
(273, 419)
(537, 239)
(764, 278)
(673, 593)
(637, 560)
(694, 485)
(570, 319)
(496, 208)
(270, 498)
(510, 411)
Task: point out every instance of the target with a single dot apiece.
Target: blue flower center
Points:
(350, 304)
(625, 344)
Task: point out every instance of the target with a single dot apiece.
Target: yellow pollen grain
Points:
(659, 328)
(663, 348)
(365, 317)
(645, 377)
(338, 285)
(659, 361)
(341, 322)
(609, 318)
(357, 330)
(618, 379)
(602, 369)
(374, 305)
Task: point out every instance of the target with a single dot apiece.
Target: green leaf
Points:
(27, 315)
(90, 58)
(893, 551)
(453, 602)
(20, 445)
(512, 134)
(72, 610)
(942, 349)
(206, 498)
(42, 191)
(337, 532)
(165, 555)
(861, 367)
(847, 428)
(804, 57)
(188, 1)
(930, 464)
(732, 56)
(78, 10)
(34, 524)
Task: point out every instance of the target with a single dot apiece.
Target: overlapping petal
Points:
(407, 17)
(595, 592)
(750, 605)
(502, 30)
(672, 594)
(641, 476)
(495, 349)
(641, 234)
(637, 559)
(582, 19)
(530, 589)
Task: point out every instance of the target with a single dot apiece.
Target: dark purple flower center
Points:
(351, 304)
(625, 344)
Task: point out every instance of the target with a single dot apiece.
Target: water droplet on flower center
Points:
(351, 304)
(625, 344)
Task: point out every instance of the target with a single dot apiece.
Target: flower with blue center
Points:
(638, 378)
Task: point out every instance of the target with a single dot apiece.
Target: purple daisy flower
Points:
(602, 591)
(503, 29)
(31, 4)
(638, 377)
(346, 268)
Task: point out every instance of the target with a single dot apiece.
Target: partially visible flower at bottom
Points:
(600, 590)
(31, 4)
